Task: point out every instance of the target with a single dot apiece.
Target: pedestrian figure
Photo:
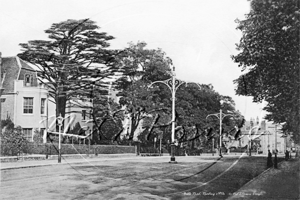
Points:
(287, 155)
(269, 160)
(275, 159)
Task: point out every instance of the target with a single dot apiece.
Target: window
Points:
(27, 132)
(28, 80)
(28, 105)
(83, 114)
(43, 103)
(42, 130)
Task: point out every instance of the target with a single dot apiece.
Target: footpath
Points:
(39, 160)
(282, 183)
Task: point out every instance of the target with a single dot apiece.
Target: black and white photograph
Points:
(149, 99)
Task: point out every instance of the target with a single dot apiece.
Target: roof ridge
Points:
(9, 57)
(27, 64)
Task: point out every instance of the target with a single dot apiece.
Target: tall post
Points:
(220, 116)
(89, 146)
(220, 148)
(173, 84)
(59, 145)
(268, 141)
(45, 136)
(275, 157)
(160, 146)
(276, 138)
(249, 142)
(213, 146)
(59, 121)
(173, 118)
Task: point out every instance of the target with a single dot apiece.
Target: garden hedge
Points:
(52, 149)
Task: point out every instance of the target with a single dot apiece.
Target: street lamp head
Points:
(59, 120)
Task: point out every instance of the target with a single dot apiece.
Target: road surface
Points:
(133, 178)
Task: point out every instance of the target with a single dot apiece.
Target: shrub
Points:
(13, 142)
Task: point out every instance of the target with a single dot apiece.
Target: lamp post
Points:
(213, 147)
(220, 116)
(268, 133)
(250, 138)
(173, 84)
(160, 146)
(59, 122)
(275, 157)
(275, 138)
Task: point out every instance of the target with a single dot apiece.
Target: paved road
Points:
(130, 178)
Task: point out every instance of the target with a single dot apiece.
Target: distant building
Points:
(273, 135)
(265, 139)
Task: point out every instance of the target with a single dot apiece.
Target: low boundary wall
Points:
(52, 149)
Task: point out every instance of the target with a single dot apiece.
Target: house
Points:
(26, 101)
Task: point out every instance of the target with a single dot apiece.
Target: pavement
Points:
(38, 161)
(282, 183)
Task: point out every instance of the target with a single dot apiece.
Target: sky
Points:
(198, 35)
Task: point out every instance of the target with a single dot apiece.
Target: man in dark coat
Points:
(269, 160)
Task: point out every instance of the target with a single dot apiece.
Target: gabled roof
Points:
(10, 69)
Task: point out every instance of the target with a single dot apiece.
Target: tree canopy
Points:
(193, 103)
(73, 62)
(269, 56)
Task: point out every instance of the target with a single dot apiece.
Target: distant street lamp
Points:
(266, 132)
(220, 116)
(251, 138)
